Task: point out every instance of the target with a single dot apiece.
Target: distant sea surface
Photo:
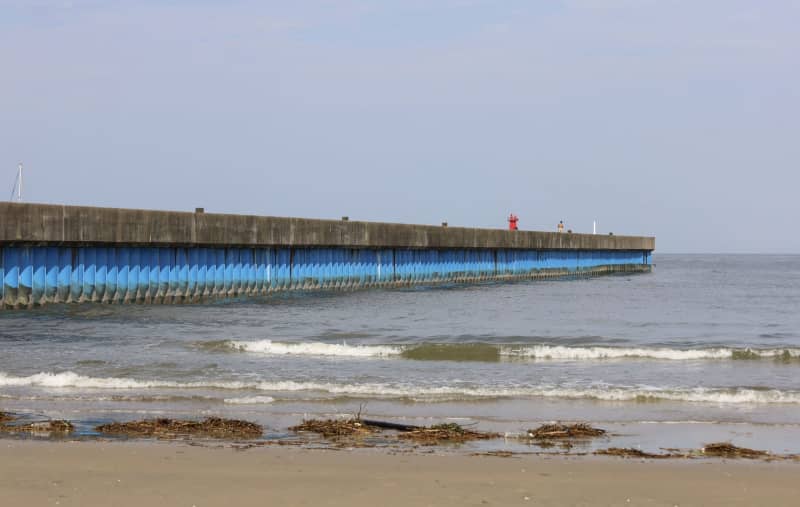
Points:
(708, 340)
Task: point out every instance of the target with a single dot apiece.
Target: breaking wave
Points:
(249, 400)
(314, 348)
(418, 393)
(495, 352)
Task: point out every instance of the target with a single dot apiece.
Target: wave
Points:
(314, 348)
(577, 353)
(249, 400)
(420, 393)
(495, 352)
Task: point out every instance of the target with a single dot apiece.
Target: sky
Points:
(678, 119)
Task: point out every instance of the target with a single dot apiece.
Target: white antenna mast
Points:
(19, 183)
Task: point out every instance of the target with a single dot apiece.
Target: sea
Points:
(706, 348)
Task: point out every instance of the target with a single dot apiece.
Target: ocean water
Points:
(707, 347)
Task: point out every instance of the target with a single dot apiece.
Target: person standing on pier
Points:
(512, 222)
(561, 226)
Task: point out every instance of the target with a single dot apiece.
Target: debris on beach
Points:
(564, 431)
(4, 417)
(211, 427)
(334, 427)
(727, 450)
(447, 432)
(52, 426)
(630, 452)
(390, 425)
(496, 454)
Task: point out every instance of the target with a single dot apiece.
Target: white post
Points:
(19, 186)
(594, 227)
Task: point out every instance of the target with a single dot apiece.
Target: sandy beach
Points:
(144, 473)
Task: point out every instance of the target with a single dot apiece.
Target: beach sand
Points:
(145, 473)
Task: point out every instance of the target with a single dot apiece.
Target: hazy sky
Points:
(679, 119)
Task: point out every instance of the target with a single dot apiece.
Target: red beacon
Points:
(512, 222)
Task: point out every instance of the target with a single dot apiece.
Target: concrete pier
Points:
(63, 254)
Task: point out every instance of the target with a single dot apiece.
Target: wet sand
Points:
(145, 473)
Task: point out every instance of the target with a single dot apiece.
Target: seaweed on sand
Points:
(563, 431)
(4, 417)
(52, 426)
(629, 452)
(727, 450)
(211, 427)
(448, 432)
(334, 427)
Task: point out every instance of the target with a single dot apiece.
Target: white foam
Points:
(420, 393)
(589, 353)
(315, 349)
(70, 379)
(250, 400)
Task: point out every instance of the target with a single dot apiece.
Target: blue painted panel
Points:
(101, 270)
(248, 270)
(76, 276)
(51, 275)
(261, 269)
(400, 264)
(202, 271)
(297, 267)
(112, 275)
(284, 268)
(205, 271)
(89, 271)
(235, 262)
(135, 275)
(123, 266)
(219, 275)
(310, 265)
(325, 277)
(10, 274)
(25, 275)
(39, 272)
(215, 275)
(182, 263)
(155, 272)
(165, 263)
(64, 273)
(192, 261)
(227, 271)
(173, 287)
(340, 267)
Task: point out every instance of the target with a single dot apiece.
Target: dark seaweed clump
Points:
(212, 427)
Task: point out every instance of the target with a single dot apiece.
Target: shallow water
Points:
(709, 342)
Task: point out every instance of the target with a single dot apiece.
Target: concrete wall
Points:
(78, 225)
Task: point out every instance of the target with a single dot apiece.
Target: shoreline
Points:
(392, 434)
(173, 473)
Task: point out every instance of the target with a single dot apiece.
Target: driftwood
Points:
(4, 417)
(390, 425)
(212, 427)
